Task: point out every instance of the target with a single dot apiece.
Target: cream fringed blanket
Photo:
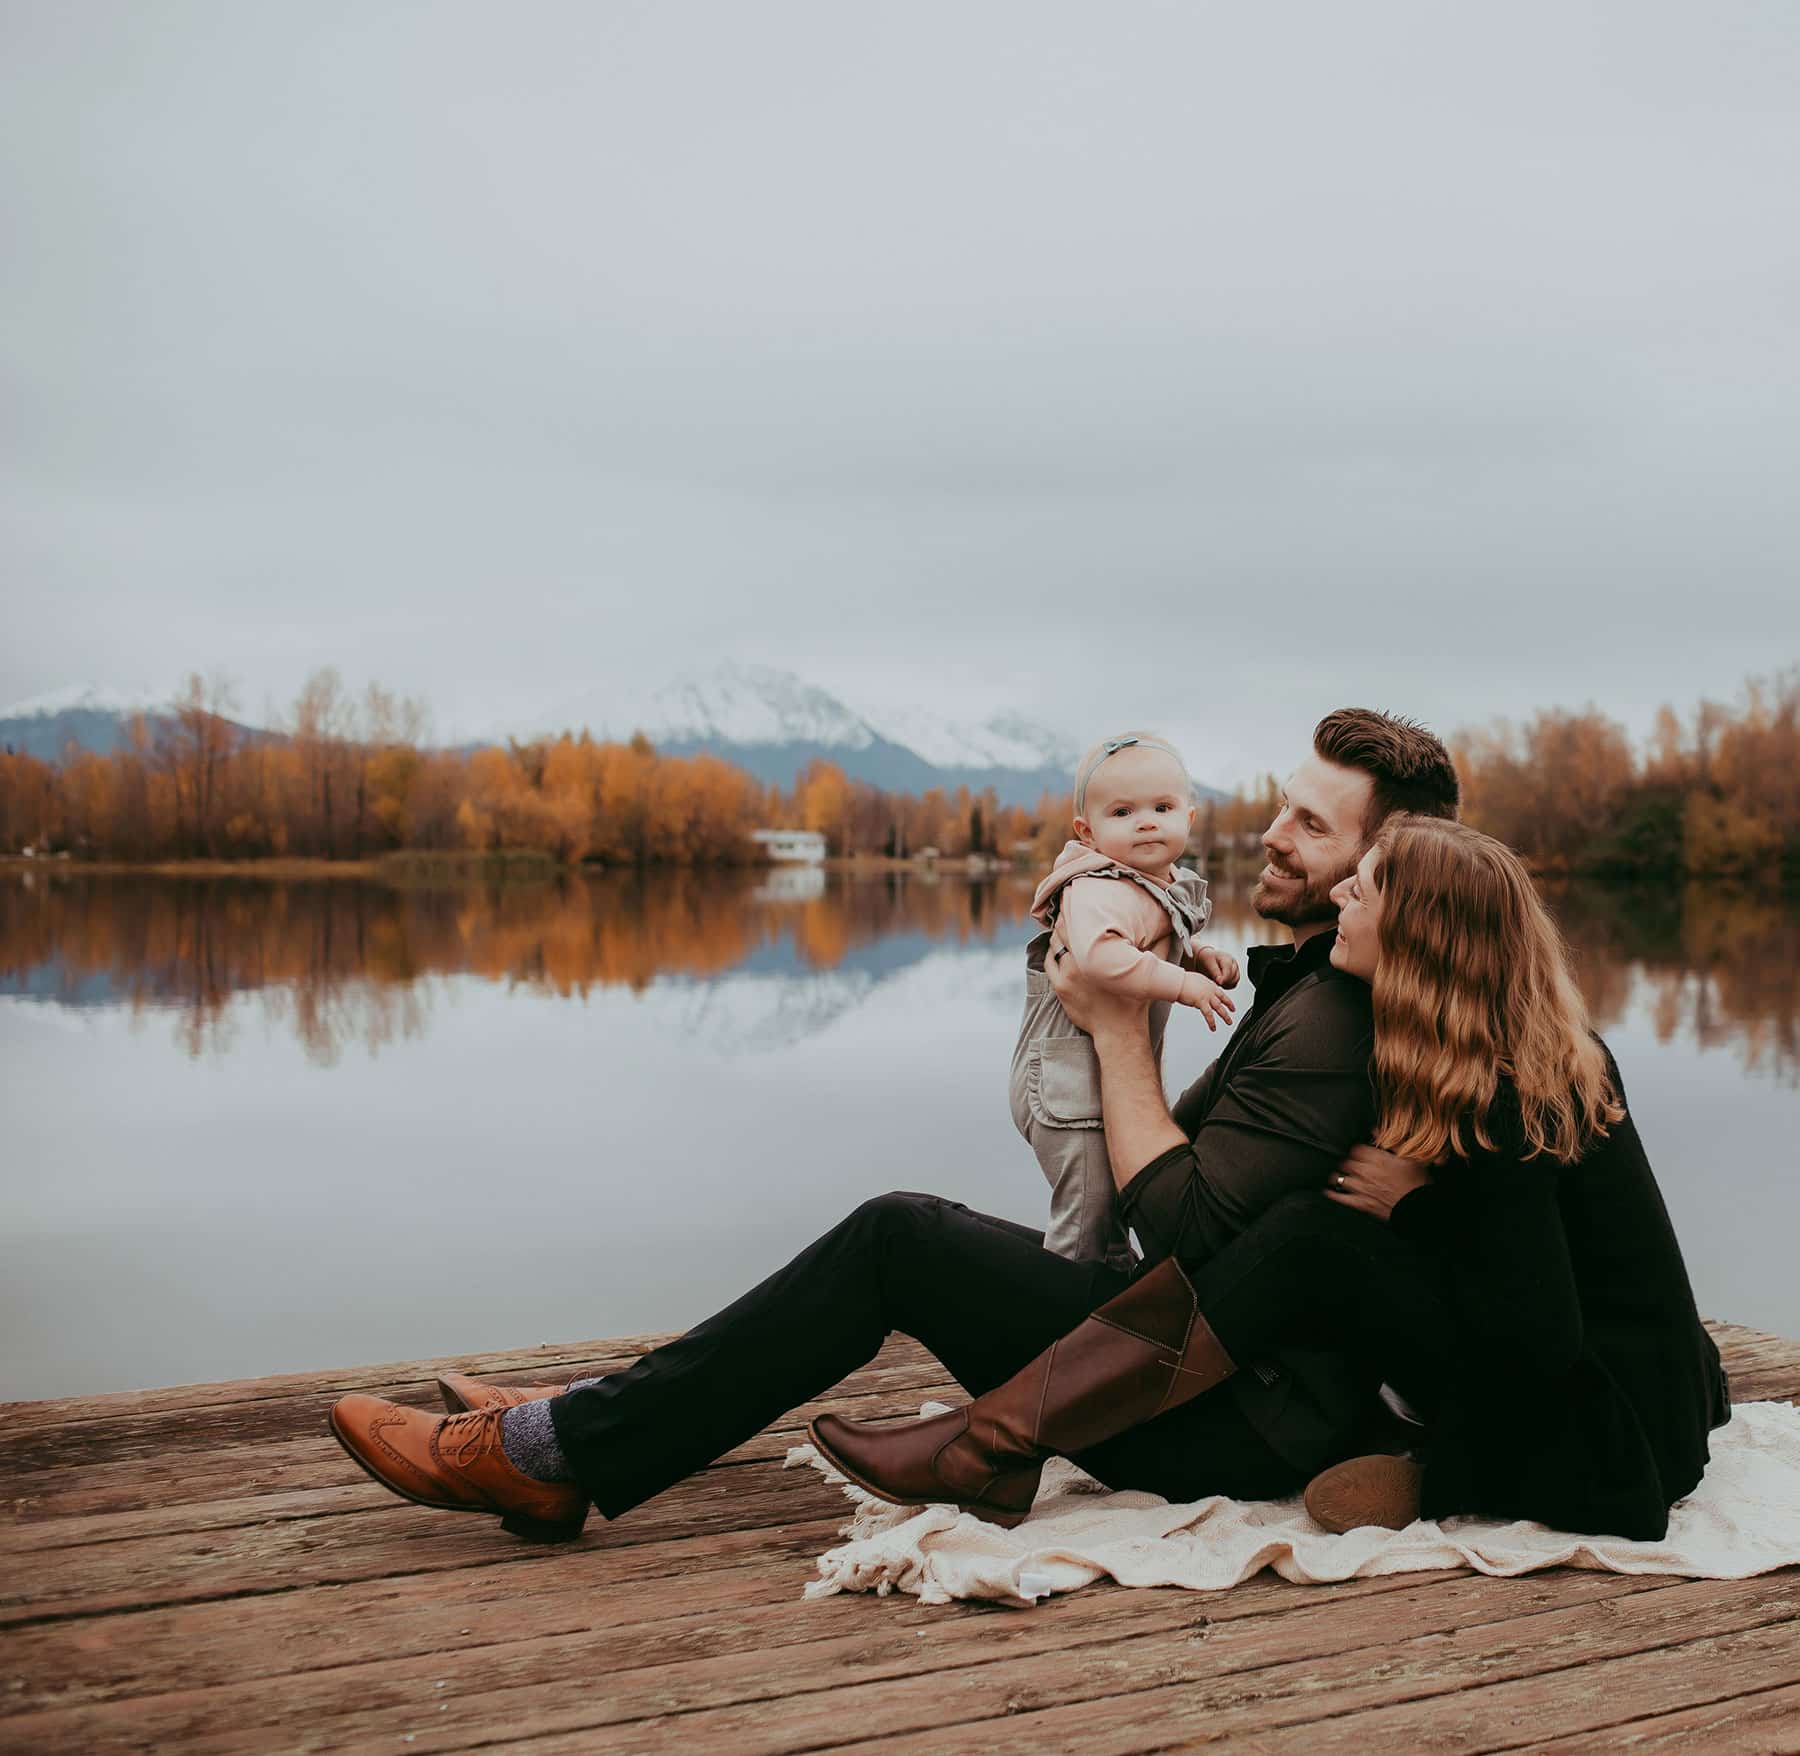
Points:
(1744, 1518)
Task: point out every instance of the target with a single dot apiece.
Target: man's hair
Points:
(1408, 766)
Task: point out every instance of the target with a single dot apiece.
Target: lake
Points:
(256, 1127)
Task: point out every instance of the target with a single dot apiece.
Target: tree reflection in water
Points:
(345, 961)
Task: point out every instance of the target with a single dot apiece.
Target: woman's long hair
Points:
(1473, 986)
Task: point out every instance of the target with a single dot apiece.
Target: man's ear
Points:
(1083, 834)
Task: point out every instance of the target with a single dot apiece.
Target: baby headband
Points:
(1112, 747)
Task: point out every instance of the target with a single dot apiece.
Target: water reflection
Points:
(1711, 966)
(770, 958)
(601, 1107)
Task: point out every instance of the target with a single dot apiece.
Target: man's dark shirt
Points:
(1272, 1116)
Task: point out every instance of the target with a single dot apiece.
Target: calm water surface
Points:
(254, 1128)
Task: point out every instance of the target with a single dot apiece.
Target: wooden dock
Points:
(202, 1570)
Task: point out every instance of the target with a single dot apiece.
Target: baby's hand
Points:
(1213, 963)
(1208, 999)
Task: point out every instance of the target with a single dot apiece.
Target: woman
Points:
(1500, 1255)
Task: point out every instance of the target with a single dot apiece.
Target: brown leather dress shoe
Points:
(455, 1462)
(462, 1393)
(1380, 1491)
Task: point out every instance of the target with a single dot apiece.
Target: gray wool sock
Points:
(528, 1436)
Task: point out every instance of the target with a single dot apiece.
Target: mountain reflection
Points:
(342, 962)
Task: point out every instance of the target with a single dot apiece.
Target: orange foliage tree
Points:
(352, 775)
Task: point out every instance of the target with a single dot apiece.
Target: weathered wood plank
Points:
(137, 1652)
(164, 1434)
(555, 1362)
(197, 1568)
(1582, 1704)
(391, 1537)
(1189, 1686)
(236, 1479)
(1760, 1724)
(760, 1655)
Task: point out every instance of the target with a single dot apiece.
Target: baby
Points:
(1114, 903)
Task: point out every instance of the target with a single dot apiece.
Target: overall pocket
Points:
(1066, 1082)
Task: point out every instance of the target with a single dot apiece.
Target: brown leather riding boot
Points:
(461, 1393)
(456, 1462)
(1145, 1351)
(1377, 1490)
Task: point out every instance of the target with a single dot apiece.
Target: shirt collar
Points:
(1273, 969)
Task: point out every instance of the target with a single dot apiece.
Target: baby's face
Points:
(1139, 810)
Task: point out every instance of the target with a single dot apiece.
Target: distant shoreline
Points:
(402, 867)
(528, 866)
(274, 867)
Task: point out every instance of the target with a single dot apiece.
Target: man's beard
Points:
(1313, 903)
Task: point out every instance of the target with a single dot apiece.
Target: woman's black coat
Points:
(1588, 1384)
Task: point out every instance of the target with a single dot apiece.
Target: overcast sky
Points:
(1206, 365)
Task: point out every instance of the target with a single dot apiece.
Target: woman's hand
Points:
(1093, 1006)
(1373, 1181)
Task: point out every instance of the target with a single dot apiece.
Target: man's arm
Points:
(1191, 1105)
(1132, 1105)
(1287, 1115)
(1139, 1127)
(1290, 1111)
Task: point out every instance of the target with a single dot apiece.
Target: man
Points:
(1280, 1108)
(1273, 1116)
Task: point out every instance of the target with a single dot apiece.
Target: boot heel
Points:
(534, 1530)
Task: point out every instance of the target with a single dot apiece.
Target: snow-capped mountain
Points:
(1007, 740)
(774, 723)
(88, 715)
(733, 704)
(89, 698)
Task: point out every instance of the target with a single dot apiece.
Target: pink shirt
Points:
(1113, 928)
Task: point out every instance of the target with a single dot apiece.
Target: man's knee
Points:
(1304, 1211)
(1307, 1225)
(898, 1210)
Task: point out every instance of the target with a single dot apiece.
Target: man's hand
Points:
(1093, 1006)
(1213, 963)
(1373, 1181)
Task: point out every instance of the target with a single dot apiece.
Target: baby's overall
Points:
(1055, 1086)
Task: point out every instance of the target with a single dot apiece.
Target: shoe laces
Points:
(462, 1438)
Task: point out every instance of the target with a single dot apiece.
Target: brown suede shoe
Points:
(462, 1393)
(1379, 1491)
(455, 1462)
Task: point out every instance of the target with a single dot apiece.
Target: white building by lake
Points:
(803, 846)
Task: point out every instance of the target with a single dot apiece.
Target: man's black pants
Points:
(985, 1297)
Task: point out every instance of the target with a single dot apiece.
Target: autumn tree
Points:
(824, 801)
